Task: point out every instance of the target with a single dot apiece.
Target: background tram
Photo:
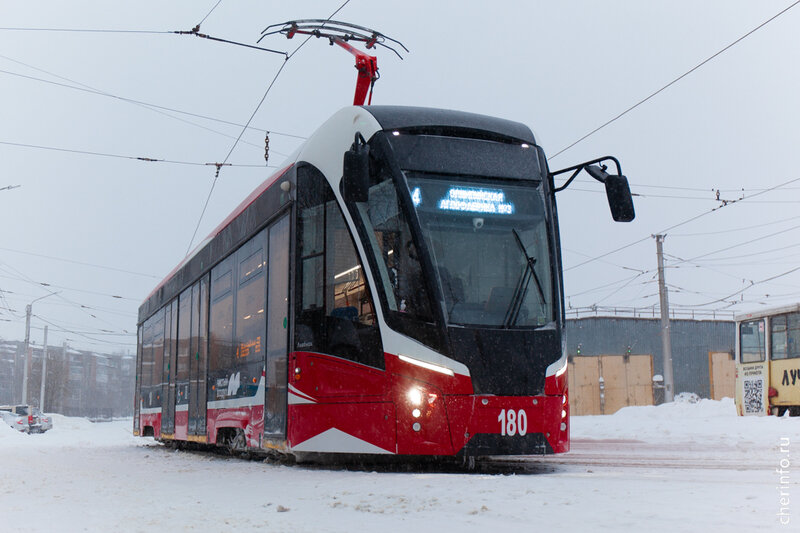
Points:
(396, 289)
(768, 362)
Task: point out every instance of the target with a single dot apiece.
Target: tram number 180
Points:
(513, 422)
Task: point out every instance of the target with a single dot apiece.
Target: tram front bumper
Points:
(430, 423)
(508, 425)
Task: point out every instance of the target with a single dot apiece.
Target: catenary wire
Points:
(209, 13)
(673, 82)
(752, 284)
(154, 108)
(683, 223)
(86, 88)
(131, 157)
(86, 30)
(734, 230)
(103, 267)
(260, 103)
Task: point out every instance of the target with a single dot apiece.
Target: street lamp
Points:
(26, 373)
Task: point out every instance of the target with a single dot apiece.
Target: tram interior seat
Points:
(348, 313)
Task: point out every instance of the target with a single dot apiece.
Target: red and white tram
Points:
(396, 289)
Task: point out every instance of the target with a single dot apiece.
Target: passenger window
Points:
(778, 337)
(391, 240)
(335, 312)
(251, 299)
(221, 328)
(238, 321)
(751, 341)
(184, 332)
(785, 337)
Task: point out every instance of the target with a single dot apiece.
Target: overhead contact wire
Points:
(676, 80)
(247, 124)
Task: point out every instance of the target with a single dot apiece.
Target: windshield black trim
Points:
(451, 122)
(466, 157)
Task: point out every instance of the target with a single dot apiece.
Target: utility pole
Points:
(61, 380)
(28, 310)
(44, 372)
(666, 344)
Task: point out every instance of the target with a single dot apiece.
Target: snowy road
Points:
(634, 471)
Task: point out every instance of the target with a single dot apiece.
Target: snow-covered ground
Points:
(677, 467)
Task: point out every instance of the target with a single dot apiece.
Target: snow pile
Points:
(682, 463)
(8, 434)
(708, 421)
(71, 432)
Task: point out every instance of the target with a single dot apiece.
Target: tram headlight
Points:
(415, 396)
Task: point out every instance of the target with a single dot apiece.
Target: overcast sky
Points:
(97, 228)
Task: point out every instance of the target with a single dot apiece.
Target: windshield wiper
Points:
(515, 306)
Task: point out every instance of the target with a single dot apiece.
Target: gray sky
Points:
(95, 227)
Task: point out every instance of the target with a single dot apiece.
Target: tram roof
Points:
(389, 117)
(403, 117)
(768, 312)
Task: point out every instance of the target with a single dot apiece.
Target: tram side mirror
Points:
(620, 199)
(618, 192)
(355, 172)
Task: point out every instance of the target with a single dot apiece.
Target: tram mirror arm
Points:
(618, 192)
(355, 171)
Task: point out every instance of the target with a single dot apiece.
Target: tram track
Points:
(585, 456)
(614, 453)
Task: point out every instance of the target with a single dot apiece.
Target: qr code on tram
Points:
(753, 395)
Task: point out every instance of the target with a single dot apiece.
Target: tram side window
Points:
(184, 333)
(170, 343)
(148, 364)
(251, 296)
(152, 360)
(751, 341)
(391, 241)
(335, 312)
(158, 349)
(785, 337)
(221, 346)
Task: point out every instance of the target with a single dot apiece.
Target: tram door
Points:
(170, 363)
(277, 330)
(752, 380)
(198, 363)
(137, 397)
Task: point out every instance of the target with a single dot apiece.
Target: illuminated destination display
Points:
(416, 196)
(471, 200)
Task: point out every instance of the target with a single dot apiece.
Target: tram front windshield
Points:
(488, 242)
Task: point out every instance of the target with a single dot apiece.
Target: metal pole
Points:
(26, 372)
(28, 311)
(44, 372)
(666, 344)
(62, 379)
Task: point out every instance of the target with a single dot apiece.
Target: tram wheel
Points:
(237, 442)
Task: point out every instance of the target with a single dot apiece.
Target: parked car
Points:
(18, 422)
(45, 421)
(31, 420)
